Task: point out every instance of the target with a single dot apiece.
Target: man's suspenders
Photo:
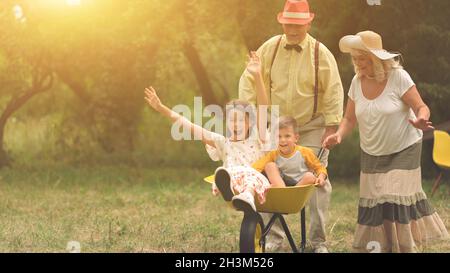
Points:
(316, 73)
(316, 78)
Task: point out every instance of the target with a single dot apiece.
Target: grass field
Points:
(123, 209)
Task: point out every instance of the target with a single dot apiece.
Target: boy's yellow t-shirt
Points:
(294, 165)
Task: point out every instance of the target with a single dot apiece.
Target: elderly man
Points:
(302, 77)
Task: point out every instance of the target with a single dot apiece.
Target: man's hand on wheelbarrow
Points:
(320, 182)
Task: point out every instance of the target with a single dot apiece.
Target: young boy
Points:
(291, 164)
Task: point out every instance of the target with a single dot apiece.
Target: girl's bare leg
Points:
(308, 179)
(273, 173)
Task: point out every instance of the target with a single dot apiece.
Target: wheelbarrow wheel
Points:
(252, 228)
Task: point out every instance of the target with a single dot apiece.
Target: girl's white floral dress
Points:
(237, 158)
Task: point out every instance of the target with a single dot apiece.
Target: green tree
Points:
(25, 70)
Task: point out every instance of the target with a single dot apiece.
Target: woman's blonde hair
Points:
(381, 68)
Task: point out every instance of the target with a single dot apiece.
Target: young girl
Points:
(242, 146)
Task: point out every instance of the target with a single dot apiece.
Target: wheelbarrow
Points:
(279, 202)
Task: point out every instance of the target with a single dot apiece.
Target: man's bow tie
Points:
(296, 47)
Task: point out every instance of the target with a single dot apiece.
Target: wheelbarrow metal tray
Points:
(286, 200)
(282, 200)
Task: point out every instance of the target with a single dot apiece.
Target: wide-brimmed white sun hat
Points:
(366, 41)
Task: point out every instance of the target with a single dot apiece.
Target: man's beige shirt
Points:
(293, 81)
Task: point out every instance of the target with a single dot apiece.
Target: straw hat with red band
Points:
(366, 41)
(295, 13)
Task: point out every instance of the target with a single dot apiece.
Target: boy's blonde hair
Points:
(288, 122)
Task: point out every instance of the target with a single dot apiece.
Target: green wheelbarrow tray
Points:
(279, 201)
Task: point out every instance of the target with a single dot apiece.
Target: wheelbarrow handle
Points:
(321, 151)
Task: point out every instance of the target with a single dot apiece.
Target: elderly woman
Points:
(394, 212)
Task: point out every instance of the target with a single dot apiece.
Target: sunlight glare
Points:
(73, 2)
(18, 13)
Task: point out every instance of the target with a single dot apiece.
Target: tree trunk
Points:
(78, 88)
(39, 85)
(4, 159)
(200, 73)
(240, 16)
(198, 68)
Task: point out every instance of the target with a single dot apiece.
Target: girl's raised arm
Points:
(153, 100)
(262, 100)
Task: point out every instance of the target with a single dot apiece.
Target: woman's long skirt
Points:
(394, 214)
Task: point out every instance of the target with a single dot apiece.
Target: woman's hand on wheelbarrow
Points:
(152, 98)
(332, 140)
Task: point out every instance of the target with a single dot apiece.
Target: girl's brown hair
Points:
(241, 105)
(244, 106)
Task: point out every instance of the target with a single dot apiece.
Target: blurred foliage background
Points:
(72, 72)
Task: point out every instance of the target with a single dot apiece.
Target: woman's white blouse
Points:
(383, 122)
